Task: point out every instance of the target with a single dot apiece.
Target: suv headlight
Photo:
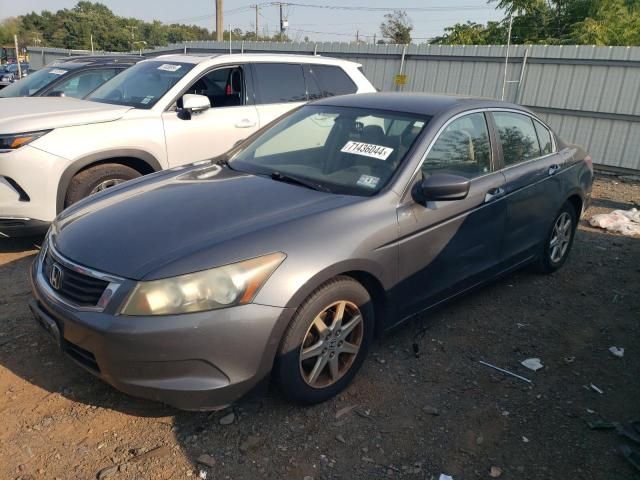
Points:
(230, 285)
(16, 140)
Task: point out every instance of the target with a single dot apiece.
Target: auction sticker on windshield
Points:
(167, 67)
(367, 150)
(56, 71)
(368, 181)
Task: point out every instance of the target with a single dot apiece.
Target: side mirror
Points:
(195, 103)
(444, 186)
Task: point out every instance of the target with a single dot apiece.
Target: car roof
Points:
(416, 103)
(90, 60)
(251, 57)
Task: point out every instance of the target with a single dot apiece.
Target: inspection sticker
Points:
(368, 181)
(146, 99)
(57, 71)
(168, 67)
(367, 150)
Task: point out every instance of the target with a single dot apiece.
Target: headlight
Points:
(17, 140)
(235, 284)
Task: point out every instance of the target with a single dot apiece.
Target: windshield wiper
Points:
(224, 162)
(281, 177)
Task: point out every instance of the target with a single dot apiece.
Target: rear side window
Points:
(84, 83)
(517, 136)
(332, 80)
(280, 83)
(544, 136)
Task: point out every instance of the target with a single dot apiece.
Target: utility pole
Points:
(357, 36)
(15, 41)
(257, 7)
(219, 21)
(506, 58)
(132, 28)
(282, 25)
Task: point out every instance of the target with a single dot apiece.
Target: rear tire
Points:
(96, 179)
(559, 240)
(326, 342)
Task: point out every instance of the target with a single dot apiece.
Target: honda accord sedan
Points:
(288, 254)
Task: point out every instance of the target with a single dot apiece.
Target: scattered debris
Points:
(626, 222)
(525, 439)
(495, 472)
(532, 364)
(207, 460)
(107, 472)
(429, 410)
(344, 411)
(340, 438)
(596, 389)
(506, 371)
(445, 477)
(202, 474)
(617, 352)
(569, 359)
(228, 419)
(590, 411)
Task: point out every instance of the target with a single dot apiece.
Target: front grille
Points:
(78, 288)
(80, 355)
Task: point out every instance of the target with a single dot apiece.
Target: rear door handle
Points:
(553, 169)
(245, 123)
(493, 194)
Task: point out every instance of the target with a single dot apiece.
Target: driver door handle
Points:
(493, 194)
(553, 169)
(245, 123)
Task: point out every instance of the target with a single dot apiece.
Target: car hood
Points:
(174, 223)
(30, 114)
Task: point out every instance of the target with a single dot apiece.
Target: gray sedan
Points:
(289, 254)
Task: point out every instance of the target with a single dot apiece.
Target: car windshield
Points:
(142, 85)
(34, 82)
(351, 151)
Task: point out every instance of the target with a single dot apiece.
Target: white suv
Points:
(161, 113)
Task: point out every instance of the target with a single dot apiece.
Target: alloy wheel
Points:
(560, 237)
(331, 344)
(107, 184)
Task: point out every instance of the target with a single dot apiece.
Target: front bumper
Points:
(198, 361)
(29, 179)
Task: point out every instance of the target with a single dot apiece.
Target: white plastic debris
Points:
(525, 439)
(202, 474)
(444, 477)
(532, 364)
(596, 389)
(617, 352)
(626, 222)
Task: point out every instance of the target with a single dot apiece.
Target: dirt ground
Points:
(403, 417)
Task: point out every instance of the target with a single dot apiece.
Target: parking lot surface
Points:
(405, 416)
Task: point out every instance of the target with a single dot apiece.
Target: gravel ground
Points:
(403, 417)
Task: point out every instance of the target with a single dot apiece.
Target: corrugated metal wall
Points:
(589, 95)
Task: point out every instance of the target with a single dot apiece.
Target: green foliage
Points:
(569, 22)
(397, 27)
(73, 29)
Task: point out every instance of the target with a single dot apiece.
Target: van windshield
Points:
(142, 85)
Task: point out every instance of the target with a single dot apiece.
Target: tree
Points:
(397, 27)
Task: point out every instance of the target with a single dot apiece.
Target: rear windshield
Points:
(142, 85)
(33, 82)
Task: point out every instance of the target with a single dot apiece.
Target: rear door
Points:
(232, 117)
(280, 87)
(533, 186)
(448, 246)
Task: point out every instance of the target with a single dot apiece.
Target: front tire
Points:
(326, 342)
(96, 179)
(559, 240)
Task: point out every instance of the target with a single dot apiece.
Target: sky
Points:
(319, 24)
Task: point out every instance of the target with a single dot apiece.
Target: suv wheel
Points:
(559, 240)
(326, 342)
(97, 179)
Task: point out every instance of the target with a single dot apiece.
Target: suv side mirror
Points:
(195, 103)
(444, 186)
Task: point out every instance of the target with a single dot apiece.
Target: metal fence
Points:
(589, 95)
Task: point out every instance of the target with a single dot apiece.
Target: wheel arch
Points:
(139, 160)
(576, 200)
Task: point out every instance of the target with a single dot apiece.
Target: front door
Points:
(448, 246)
(214, 131)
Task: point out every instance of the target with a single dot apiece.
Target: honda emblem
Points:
(55, 276)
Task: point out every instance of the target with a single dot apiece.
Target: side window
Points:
(544, 136)
(280, 83)
(333, 80)
(517, 136)
(463, 148)
(82, 84)
(224, 87)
